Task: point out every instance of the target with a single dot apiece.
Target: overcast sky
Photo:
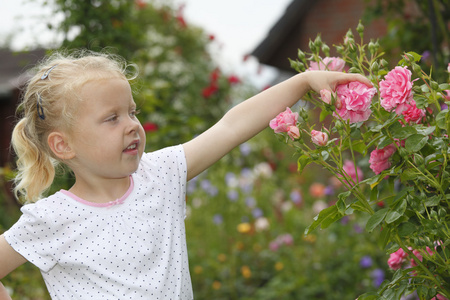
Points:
(238, 25)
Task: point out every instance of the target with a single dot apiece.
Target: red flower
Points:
(140, 4)
(210, 90)
(211, 37)
(214, 75)
(150, 127)
(233, 79)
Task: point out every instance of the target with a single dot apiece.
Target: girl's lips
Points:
(132, 148)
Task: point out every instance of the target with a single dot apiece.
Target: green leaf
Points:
(385, 237)
(323, 114)
(369, 296)
(432, 201)
(426, 130)
(397, 211)
(302, 162)
(440, 119)
(327, 213)
(340, 204)
(415, 142)
(405, 229)
(444, 86)
(421, 101)
(325, 155)
(376, 219)
(400, 132)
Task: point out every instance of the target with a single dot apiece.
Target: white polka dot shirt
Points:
(132, 248)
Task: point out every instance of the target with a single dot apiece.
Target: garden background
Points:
(247, 214)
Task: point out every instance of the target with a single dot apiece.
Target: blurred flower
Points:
(296, 196)
(365, 262)
(140, 4)
(263, 169)
(318, 206)
(244, 227)
(319, 138)
(396, 90)
(418, 254)
(245, 149)
(210, 189)
(357, 228)
(310, 238)
(378, 277)
(231, 180)
(217, 219)
(328, 64)
(379, 158)
(279, 266)
(233, 79)
(197, 202)
(150, 127)
(261, 224)
(250, 202)
(210, 90)
(317, 190)
(349, 168)
(198, 269)
(257, 212)
(329, 190)
(246, 272)
(281, 240)
(439, 297)
(233, 195)
(216, 285)
(221, 257)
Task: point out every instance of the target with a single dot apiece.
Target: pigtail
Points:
(35, 168)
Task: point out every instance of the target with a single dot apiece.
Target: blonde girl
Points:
(118, 232)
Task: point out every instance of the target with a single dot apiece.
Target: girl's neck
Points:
(101, 192)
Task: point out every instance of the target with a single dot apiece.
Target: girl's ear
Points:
(59, 144)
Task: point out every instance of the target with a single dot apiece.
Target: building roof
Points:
(13, 69)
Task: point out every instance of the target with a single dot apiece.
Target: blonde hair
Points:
(49, 103)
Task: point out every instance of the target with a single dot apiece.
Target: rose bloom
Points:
(379, 158)
(319, 138)
(396, 90)
(328, 64)
(349, 168)
(284, 120)
(293, 132)
(325, 95)
(396, 259)
(355, 99)
(413, 114)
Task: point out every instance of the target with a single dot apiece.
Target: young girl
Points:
(118, 232)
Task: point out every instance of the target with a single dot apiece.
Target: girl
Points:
(118, 232)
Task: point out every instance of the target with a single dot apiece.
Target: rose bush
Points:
(397, 134)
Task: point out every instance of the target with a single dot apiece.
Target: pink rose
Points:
(379, 158)
(293, 132)
(438, 296)
(419, 256)
(284, 120)
(396, 259)
(349, 168)
(412, 114)
(354, 101)
(396, 90)
(325, 95)
(319, 138)
(328, 64)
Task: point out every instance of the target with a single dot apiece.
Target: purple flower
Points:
(250, 202)
(245, 149)
(378, 277)
(329, 190)
(296, 197)
(257, 213)
(218, 219)
(365, 262)
(233, 195)
(210, 189)
(357, 228)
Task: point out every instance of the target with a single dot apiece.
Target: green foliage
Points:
(413, 184)
(419, 26)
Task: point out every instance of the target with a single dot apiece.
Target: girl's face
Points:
(108, 140)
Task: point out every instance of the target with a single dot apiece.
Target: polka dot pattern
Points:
(133, 250)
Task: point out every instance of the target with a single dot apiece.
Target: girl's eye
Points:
(112, 119)
(134, 113)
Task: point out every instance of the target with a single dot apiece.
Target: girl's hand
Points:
(319, 80)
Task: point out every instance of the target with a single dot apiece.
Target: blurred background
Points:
(247, 214)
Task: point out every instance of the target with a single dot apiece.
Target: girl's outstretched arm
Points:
(253, 115)
(9, 260)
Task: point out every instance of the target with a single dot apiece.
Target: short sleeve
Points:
(33, 237)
